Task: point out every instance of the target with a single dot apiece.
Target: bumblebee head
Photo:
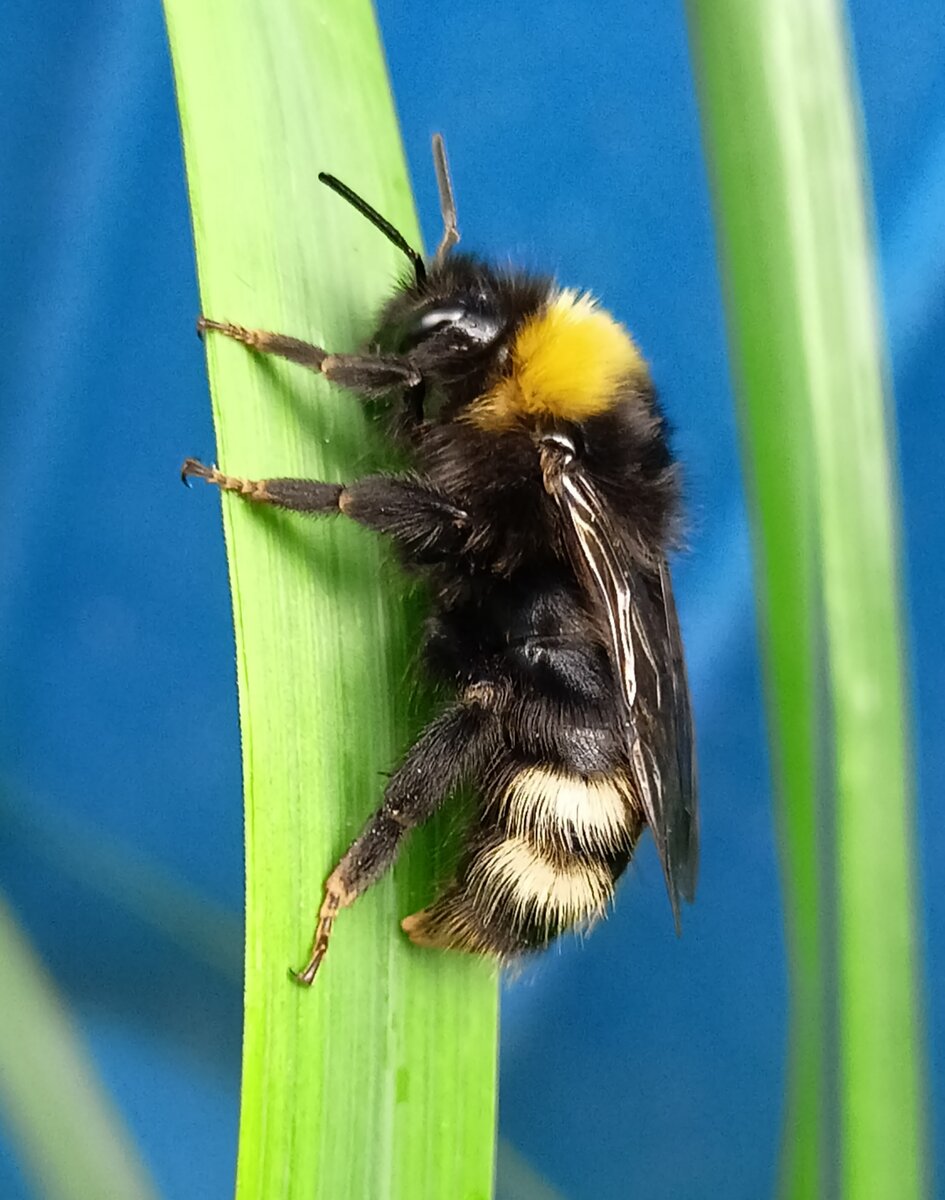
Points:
(502, 349)
(453, 311)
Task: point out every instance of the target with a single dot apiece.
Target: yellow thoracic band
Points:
(567, 362)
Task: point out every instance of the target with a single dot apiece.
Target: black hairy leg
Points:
(450, 749)
(372, 375)
(419, 518)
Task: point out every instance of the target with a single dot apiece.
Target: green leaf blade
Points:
(379, 1080)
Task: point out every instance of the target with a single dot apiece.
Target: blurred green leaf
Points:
(783, 140)
(64, 842)
(72, 1140)
(517, 1179)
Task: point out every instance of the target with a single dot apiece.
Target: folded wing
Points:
(635, 600)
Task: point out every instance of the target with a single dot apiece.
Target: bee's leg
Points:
(301, 495)
(423, 521)
(369, 374)
(449, 749)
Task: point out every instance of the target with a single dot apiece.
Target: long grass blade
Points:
(380, 1080)
(782, 134)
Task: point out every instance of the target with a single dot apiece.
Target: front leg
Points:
(424, 523)
(371, 375)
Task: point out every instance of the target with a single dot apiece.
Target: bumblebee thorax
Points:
(565, 363)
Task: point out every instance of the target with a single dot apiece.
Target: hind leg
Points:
(449, 749)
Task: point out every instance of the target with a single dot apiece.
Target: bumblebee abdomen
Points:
(546, 859)
(559, 810)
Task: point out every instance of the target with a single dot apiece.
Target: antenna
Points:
(379, 222)
(447, 200)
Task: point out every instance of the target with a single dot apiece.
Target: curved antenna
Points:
(379, 222)
(447, 200)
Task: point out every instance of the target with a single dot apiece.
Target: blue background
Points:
(632, 1065)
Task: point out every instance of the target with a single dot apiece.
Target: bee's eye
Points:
(435, 319)
(476, 325)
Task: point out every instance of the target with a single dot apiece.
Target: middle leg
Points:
(421, 519)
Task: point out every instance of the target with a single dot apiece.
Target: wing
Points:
(647, 659)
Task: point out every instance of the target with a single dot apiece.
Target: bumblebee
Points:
(542, 503)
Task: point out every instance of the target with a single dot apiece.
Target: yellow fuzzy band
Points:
(566, 364)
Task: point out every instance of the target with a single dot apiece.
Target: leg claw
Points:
(237, 332)
(306, 977)
(193, 468)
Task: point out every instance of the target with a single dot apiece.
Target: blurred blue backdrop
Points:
(632, 1065)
